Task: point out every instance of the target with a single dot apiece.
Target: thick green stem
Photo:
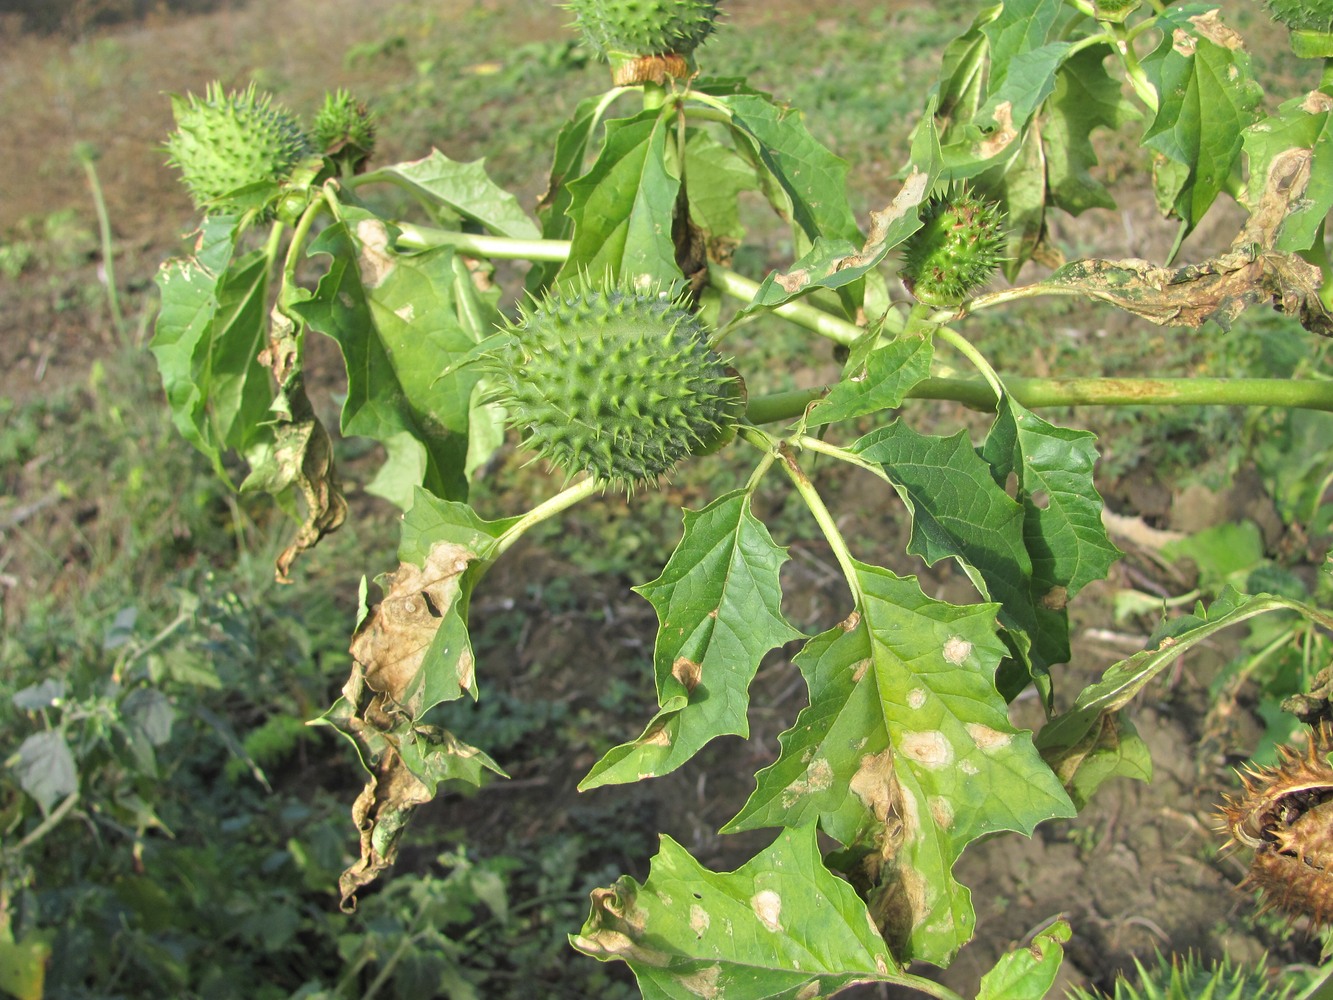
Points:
(1031, 392)
(1305, 394)
(413, 237)
(965, 348)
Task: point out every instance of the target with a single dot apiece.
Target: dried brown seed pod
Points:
(1286, 816)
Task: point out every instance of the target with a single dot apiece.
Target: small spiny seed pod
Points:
(344, 130)
(616, 383)
(645, 39)
(1285, 815)
(1311, 24)
(1191, 979)
(234, 150)
(956, 250)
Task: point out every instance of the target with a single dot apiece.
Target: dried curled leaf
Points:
(300, 454)
(1253, 272)
(412, 652)
(1217, 289)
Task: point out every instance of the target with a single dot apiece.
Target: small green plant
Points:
(1192, 979)
(615, 374)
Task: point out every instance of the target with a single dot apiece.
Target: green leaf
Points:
(622, 206)
(1086, 98)
(1028, 80)
(1020, 27)
(879, 383)
(811, 177)
(395, 317)
(45, 768)
(1112, 748)
(1062, 510)
(571, 147)
(959, 512)
(23, 965)
(781, 927)
(1123, 680)
(464, 188)
(1027, 973)
(1302, 125)
(717, 604)
(715, 177)
(836, 263)
(906, 755)
(210, 330)
(1206, 99)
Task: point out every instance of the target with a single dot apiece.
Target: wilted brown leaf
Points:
(301, 453)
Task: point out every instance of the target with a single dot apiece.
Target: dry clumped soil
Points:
(1137, 872)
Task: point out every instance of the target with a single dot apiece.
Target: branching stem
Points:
(562, 501)
(782, 452)
(964, 347)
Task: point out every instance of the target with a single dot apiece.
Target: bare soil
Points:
(1137, 872)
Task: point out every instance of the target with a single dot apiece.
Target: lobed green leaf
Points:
(463, 188)
(905, 754)
(1207, 97)
(781, 927)
(620, 207)
(210, 330)
(718, 607)
(395, 317)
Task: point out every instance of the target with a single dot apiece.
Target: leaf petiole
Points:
(562, 501)
(781, 451)
(964, 347)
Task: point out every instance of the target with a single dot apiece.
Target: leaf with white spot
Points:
(781, 927)
(905, 755)
(718, 607)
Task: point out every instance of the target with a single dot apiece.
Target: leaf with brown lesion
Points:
(1252, 272)
(411, 653)
(300, 454)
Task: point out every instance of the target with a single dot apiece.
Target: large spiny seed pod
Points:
(234, 150)
(1311, 24)
(1285, 815)
(645, 39)
(956, 250)
(617, 383)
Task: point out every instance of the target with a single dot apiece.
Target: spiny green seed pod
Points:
(1192, 980)
(956, 250)
(1311, 24)
(645, 39)
(344, 130)
(233, 150)
(619, 384)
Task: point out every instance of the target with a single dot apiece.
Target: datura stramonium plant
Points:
(645, 40)
(234, 151)
(1285, 815)
(620, 384)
